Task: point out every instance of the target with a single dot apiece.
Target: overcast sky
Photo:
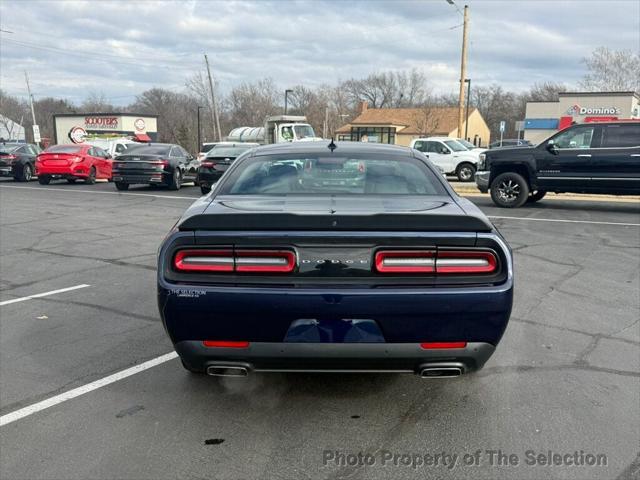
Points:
(121, 48)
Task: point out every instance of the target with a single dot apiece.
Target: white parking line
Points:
(98, 191)
(45, 294)
(593, 222)
(89, 387)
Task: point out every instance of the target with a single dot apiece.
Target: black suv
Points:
(584, 158)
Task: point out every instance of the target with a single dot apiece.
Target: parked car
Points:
(18, 160)
(584, 158)
(154, 164)
(73, 162)
(341, 257)
(204, 149)
(470, 146)
(113, 147)
(510, 142)
(217, 160)
(449, 154)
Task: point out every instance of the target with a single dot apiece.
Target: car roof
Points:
(322, 147)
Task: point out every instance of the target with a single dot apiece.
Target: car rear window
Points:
(228, 151)
(340, 175)
(8, 148)
(205, 148)
(63, 149)
(150, 150)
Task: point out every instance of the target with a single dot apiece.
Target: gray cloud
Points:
(122, 48)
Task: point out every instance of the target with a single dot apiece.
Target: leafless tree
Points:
(612, 70)
(250, 103)
(426, 118)
(96, 102)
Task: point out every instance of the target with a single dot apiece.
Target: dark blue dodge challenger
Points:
(341, 257)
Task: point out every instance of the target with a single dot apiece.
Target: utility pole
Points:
(199, 130)
(326, 122)
(463, 69)
(33, 113)
(466, 123)
(214, 111)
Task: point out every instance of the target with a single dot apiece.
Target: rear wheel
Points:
(176, 179)
(509, 190)
(91, 179)
(465, 172)
(122, 186)
(205, 189)
(537, 195)
(44, 179)
(27, 173)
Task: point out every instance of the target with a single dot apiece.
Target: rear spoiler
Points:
(378, 222)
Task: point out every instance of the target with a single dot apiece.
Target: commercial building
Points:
(11, 131)
(401, 125)
(543, 119)
(74, 127)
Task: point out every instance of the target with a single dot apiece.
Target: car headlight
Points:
(481, 162)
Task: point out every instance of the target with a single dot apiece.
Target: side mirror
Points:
(551, 148)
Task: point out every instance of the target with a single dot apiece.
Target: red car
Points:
(73, 162)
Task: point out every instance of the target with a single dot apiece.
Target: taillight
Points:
(439, 262)
(466, 262)
(282, 261)
(406, 261)
(204, 261)
(439, 345)
(228, 260)
(225, 344)
(11, 158)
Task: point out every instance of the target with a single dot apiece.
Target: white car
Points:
(113, 146)
(450, 155)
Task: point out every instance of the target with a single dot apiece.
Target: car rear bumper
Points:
(74, 172)
(482, 181)
(8, 170)
(139, 178)
(336, 357)
(208, 176)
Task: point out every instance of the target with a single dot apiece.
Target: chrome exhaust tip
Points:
(227, 371)
(441, 370)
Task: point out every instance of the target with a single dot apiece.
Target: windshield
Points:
(228, 151)
(303, 131)
(312, 175)
(63, 149)
(455, 146)
(469, 145)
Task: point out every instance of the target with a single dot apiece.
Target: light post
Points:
(466, 123)
(286, 95)
(199, 139)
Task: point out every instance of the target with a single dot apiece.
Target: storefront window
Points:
(373, 134)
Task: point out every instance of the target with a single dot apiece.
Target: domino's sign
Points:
(578, 110)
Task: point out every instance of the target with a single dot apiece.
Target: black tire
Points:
(176, 179)
(26, 175)
(205, 189)
(71, 180)
(509, 190)
(536, 196)
(91, 179)
(44, 179)
(465, 172)
(122, 186)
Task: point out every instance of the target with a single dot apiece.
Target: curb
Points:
(469, 191)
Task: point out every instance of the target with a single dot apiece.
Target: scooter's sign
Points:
(578, 110)
(101, 123)
(77, 134)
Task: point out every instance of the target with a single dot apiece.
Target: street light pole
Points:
(466, 123)
(286, 94)
(199, 139)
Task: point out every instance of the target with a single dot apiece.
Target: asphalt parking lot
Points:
(565, 378)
